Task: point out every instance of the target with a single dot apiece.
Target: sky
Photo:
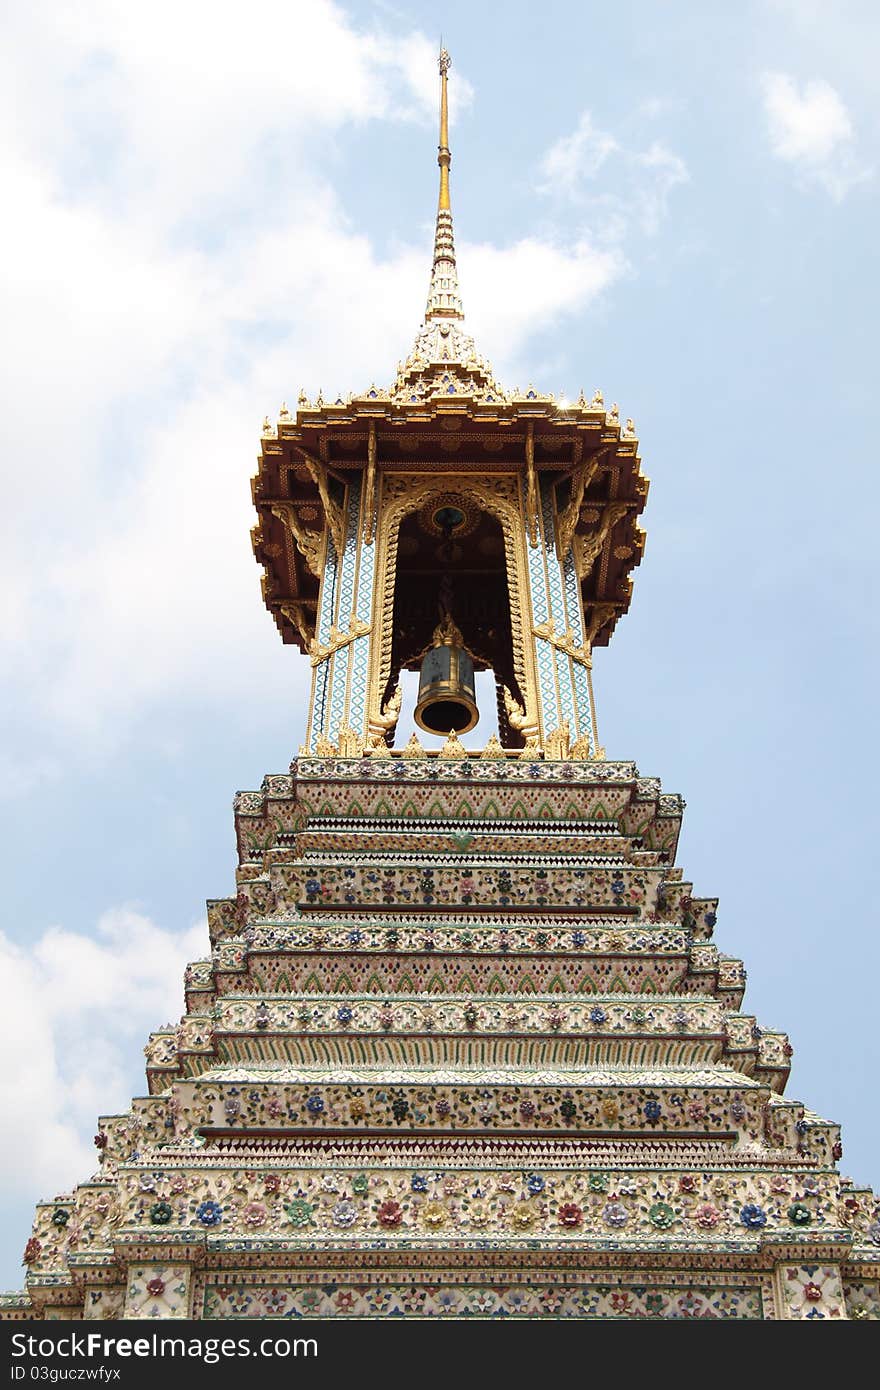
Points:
(210, 207)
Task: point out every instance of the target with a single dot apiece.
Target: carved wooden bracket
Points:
(370, 486)
(310, 544)
(598, 618)
(531, 486)
(567, 519)
(332, 510)
(298, 614)
(586, 549)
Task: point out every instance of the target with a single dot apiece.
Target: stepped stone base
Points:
(464, 1047)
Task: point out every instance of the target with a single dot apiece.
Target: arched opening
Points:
(451, 564)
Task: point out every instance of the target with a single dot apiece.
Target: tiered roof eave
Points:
(456, 432)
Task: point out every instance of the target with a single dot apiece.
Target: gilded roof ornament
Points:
(447, 633)
(444, 360)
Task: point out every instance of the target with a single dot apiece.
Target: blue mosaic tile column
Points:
(345, 611)
(326, 617)
(556, 604)
(541, 612)
(563, 683)
(360, 649)
(578, 672)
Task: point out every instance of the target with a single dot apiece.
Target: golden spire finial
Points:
(444, 300)
(444, 158)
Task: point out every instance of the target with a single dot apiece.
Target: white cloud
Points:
(173, 111)
(621, 186)
(77, 1011)
(811, 129)
(515, 292)
(179, 263)
(664, 171)
(573, 158)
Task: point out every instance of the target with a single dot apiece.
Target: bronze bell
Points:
(447, 697)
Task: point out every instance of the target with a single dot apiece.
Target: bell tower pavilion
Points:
(447, 525)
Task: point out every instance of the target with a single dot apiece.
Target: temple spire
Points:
(444, 158)
(444, 300)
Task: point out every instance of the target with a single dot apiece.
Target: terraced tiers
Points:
(473, 1012)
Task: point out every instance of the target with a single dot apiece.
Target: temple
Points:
(464, 1044)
